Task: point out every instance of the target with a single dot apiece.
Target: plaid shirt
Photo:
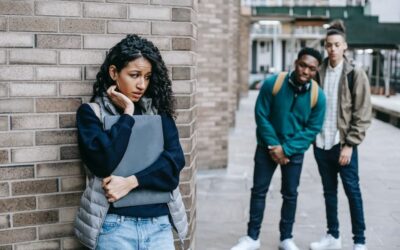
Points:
(329, 135)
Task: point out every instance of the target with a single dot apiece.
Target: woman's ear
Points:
(112, 71)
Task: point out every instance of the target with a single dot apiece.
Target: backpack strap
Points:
(350, 81)
(314, 93)
(278, 82)
(96, 109)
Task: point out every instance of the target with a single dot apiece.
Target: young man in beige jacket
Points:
(348, 115)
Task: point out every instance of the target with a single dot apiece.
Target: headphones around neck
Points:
(298, 88)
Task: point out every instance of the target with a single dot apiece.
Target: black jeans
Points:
(329, 168)
(264, 169)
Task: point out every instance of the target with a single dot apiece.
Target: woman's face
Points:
(335, 45)
(133, 79)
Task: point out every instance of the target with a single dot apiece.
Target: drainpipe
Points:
(388, 63)
(378, 70)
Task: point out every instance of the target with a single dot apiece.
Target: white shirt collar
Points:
(336, 69)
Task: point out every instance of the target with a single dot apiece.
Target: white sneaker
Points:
(247, 243)
(360, 247)
(288, 244)
(328, 242)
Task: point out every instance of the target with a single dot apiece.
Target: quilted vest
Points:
(94, 205)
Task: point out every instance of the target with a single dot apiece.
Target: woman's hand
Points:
(345, 155)
(120, 100)
(117, 187)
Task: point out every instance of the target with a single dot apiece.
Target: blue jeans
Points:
(264, 168)
(132, 233)
(329, 168)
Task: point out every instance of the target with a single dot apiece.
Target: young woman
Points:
(348, 115)
(132, 80)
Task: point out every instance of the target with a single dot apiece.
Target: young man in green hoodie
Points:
(289, 114)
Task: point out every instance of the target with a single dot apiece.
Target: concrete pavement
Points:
(387, 109)
(223, 195)
(392, 103)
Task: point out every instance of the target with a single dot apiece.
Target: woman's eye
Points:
(134, 76)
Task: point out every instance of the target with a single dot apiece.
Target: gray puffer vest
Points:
(94, 205)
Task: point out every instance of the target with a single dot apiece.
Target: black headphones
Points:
(298, 88)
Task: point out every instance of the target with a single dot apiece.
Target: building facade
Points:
(280, 29)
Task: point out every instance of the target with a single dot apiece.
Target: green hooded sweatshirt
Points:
(287, 118)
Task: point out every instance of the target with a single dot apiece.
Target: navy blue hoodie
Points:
(102, 151)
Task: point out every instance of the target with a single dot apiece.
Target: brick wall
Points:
(50, 52)
(217, 78)
(244, 49)
(233, 59)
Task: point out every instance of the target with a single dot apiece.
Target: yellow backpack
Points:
(314, 88)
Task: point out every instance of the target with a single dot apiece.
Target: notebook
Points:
(145, 146)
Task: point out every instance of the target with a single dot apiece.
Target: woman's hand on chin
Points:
(120, 100)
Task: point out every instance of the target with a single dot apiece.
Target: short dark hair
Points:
(311, 52)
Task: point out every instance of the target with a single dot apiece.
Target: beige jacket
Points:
(355, 109)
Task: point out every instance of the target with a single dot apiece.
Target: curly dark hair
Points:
(127, 50)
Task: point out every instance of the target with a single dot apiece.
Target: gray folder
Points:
(145, 146)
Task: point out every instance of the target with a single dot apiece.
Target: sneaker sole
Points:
(335, 248)
(281, 248)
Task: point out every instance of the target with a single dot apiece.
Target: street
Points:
(224, 195)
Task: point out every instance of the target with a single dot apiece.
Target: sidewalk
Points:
(223, 195)
(387, 109)
(392, 103)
